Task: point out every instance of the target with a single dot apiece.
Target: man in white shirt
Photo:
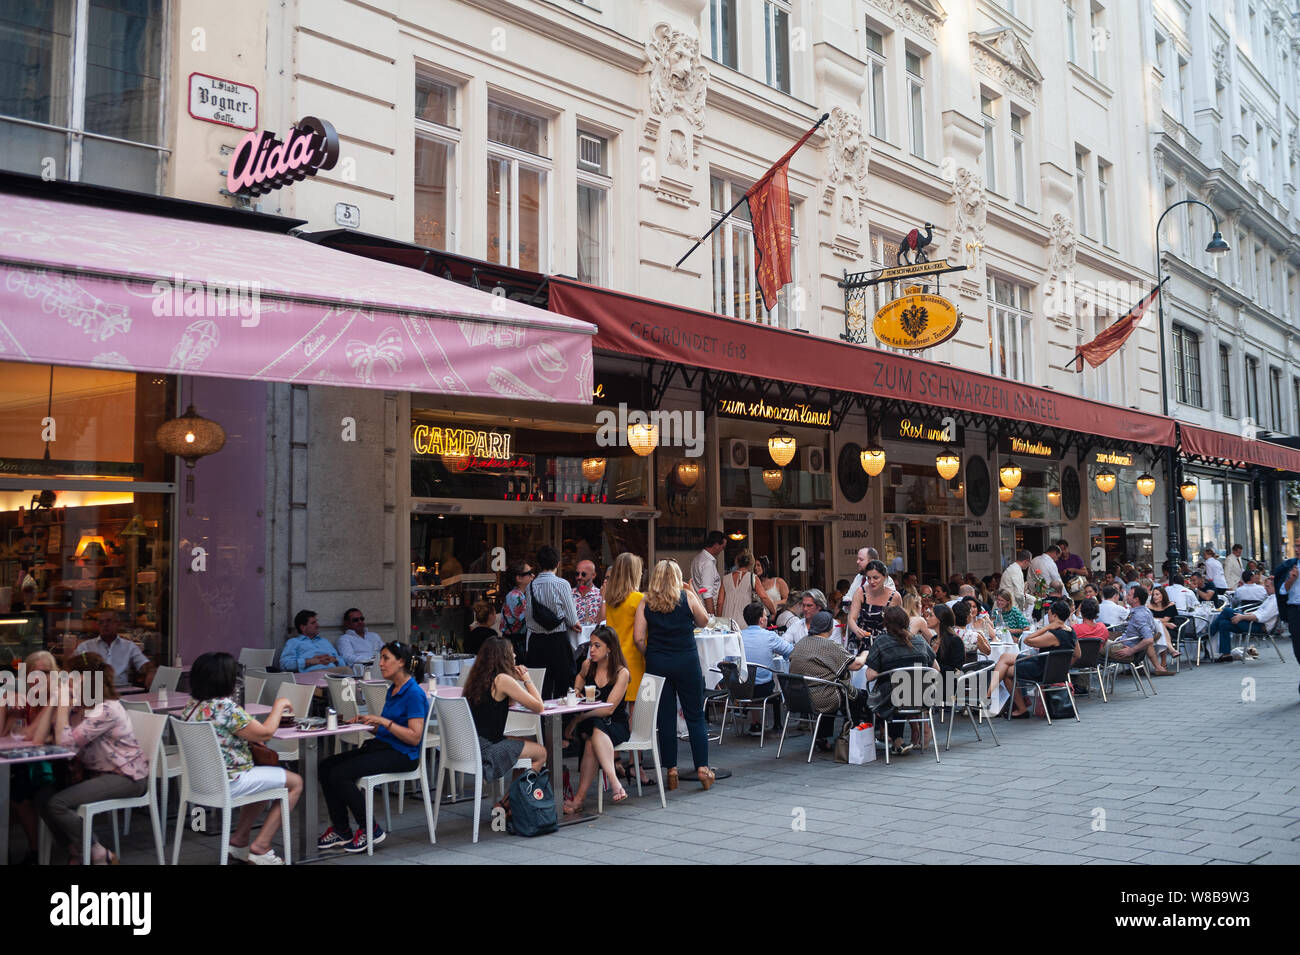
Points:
(865, 556)
(1229, 622)
(705, 576)
(121, 654)
(1250, 589)
(1013, 579)
(1180, 596)
(358, 645)
(1232, 567)
(812, 603)
(1043, 567)
(1214, 570)
(1111, 612)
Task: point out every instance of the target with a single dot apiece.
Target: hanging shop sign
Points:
(223, 102)
(1111, 457)
(800, 413)
(916, 321)
(262, 163)
(1011, 444)
(461, 442)
(915, 428)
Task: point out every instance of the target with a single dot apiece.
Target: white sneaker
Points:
(239, 852)
(266, 858)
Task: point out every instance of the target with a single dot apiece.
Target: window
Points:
(1010, 335)
(1097, 380)
(1018, 158)
(1252, 388)
(916, 104)
(1276, 421)
(81, 84)
(436, 139)
(594, 187)
(1187, 365)
(1081, 190)
(517, 198)
(989, 111)
(1071, 32)
(876, 84)
(1096, 36)
(1103, 201)
(722, 22)
(1180, 89)
(1225, 381)
(735, 283)
(1295, 402)
(776, 35)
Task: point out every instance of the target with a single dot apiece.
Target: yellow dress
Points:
(623, 618)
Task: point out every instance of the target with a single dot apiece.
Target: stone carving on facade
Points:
(1000, 54)
(847, 159)
(678, 89)
(923, 17)
(1063, 247)
(1293, 145)
(1212, 307)
(970, 215)
(1221, 64)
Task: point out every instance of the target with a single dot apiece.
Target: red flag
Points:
(1109, 341)
(769, 210)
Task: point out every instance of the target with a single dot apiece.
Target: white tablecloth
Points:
(716, 646)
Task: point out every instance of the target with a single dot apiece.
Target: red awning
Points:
(643, 327)
(1230, 447)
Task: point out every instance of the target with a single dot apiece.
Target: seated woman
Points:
(88, 717)
(893, 649)
(974, 634)
(1057, 635)
(212, 686)
(818, 656)
(947, 644)
(1012, 619)
(399, 735)
(485, 619)
(1090, 629)
(607, 727)
(1168, 620)
(494, 683)
(26, 779)
(917, 622)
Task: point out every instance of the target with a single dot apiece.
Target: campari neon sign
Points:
(262, 163)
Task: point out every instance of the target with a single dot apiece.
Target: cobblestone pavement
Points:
(1200, 773)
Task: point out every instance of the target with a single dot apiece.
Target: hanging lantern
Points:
(593, 469)
(781, 445)
(948, 463)
(873, 460)
(958, 489)
(1105, 480)
(642, 438)
(688, 472)
(1146, 484)
(1054, 497)
(1004, 494)
(737, 535)
(1010, 474)
(773, 477)
(1188, 490)
(190, 437)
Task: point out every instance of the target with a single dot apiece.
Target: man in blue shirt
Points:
(308, 650)
(1138, 637)
(762, 647)
(1286, 582)
(358, 645)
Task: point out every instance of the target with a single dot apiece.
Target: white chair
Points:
(368, 783)
(148, 731)
(271, 688)
(165, 678)
(299, 697)
(643, 737)
(253, 688)
(459, 752)
(527, 724)
(204, 783)
(343, 698)
(251, 657)
(968, 692)
(374, 693)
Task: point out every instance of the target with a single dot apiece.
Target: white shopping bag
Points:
(862, 746)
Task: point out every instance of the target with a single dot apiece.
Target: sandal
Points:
(619, 796)
(572, 807)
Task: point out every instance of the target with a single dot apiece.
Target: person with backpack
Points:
(551, 614)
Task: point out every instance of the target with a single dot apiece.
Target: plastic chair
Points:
(740, 696)
(253, 686)
(165, 678)
(1090, 651)
(644, 737)
(271, 689)
(374, 693)
(527, 724)
(907, 695)
(1056, 676)
(204, 783)
(343, 698)
(251, 657)
(1254, 629)
(968, 694)
(368, 783)
(299, 697)
(459, 752)
(797, 700)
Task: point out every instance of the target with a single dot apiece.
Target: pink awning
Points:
(86, 285)
(1230, 447)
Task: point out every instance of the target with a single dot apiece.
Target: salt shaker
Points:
(162, 697)
(331, 719)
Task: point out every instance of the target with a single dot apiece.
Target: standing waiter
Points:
(551, 597)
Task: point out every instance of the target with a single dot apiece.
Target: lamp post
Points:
(1216, 247)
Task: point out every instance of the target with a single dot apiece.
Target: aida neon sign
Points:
(262, 163)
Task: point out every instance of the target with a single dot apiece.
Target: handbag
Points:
(532, 805)
(842, 743)
(546, 618)
(263, 755)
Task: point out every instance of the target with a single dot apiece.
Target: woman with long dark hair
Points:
(873, 598)
(494, 683)
(773, 591)
(947, 645)
(607, 727)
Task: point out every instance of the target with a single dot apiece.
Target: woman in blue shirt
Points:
(399, 734)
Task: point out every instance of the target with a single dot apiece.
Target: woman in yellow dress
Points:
(621, 600)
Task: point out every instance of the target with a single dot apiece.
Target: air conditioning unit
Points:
(737, 454)
(591, 152)
(814, 460)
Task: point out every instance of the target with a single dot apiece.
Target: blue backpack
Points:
(532, 805)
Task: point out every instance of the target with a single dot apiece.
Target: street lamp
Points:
(1216, 247)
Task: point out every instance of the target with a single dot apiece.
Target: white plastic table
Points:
(308, 820)
(8, 744)
(554, 714)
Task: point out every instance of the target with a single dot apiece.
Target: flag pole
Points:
(736, 204)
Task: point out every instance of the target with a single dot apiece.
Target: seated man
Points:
(1203, 591)
(308, 650)
(816, 655)
(1249, 590)
(1229, 621)
(1138, 637)
(358, 645)
(121, 654)
(762, 647)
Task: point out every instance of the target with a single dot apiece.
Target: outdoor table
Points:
(177, 701)
(308, 821)
(314, 678)
(715, 646)
(8, 743)
(555, 712)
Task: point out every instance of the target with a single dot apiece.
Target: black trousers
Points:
(1293, 624)
(552, 651)
(338, 777)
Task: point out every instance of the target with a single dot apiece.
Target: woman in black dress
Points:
(874, 597)
(494, 683)
(607, 727)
